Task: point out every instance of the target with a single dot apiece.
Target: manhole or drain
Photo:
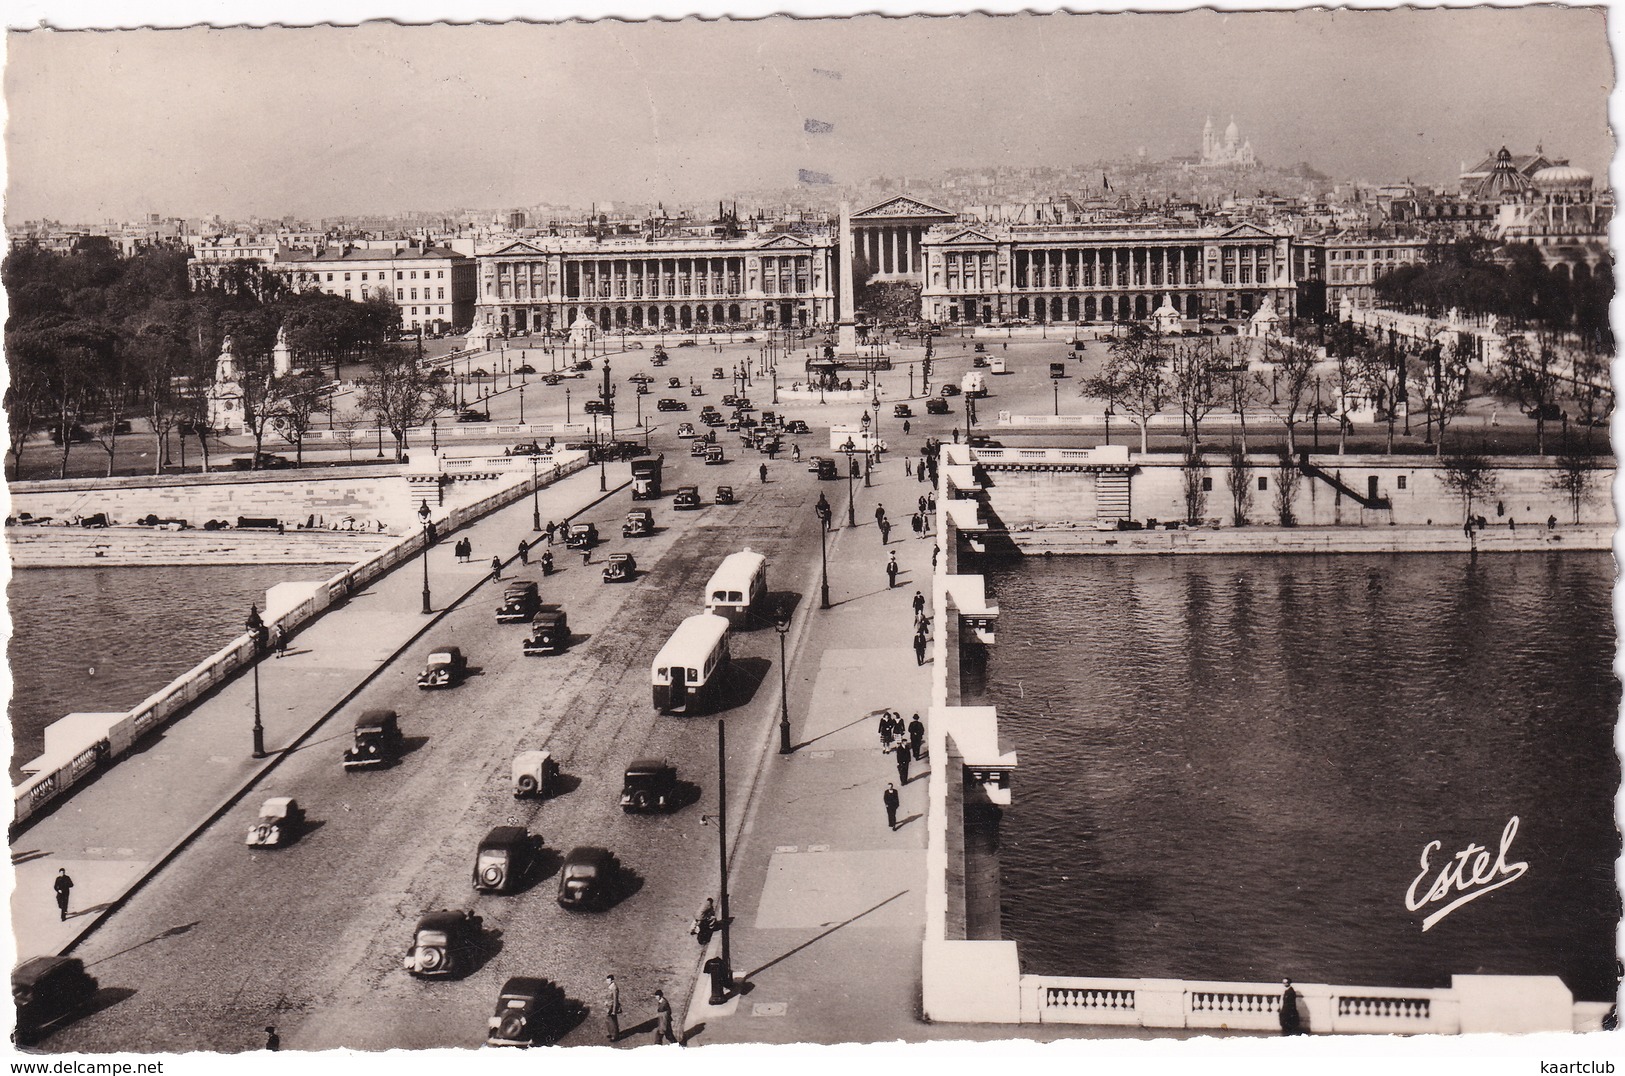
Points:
(770, 1008)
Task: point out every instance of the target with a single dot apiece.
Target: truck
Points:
(973, 384)
(646, 477)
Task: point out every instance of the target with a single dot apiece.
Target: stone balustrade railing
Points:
(158, 709)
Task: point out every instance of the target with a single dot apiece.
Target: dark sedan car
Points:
(588, 878)
(650, 784)
(46, 991)
(528, 1012)
(444, 943)
(504, 859)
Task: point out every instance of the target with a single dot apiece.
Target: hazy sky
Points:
(384, 117)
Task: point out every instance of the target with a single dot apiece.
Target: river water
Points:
(99, 640)
(1230, 766)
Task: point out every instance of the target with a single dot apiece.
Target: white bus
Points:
(738, 587)
(690, 667)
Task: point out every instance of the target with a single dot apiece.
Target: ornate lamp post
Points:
(867, 448)
(566, 406)
(782, 626)
(849, 449)
(257, 627)
(822, 512)
(423, 517)
(535, 502)
(434, 437)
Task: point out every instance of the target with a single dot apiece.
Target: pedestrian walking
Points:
(919, 604)
(612, 1009)
(919, 647)
(905, 427)
(922, 503)
(885, 730)
(663, 1029)
(885, 531)
(1291, 1022)
(916, 736)
(273, 1041)
(919, 527)
(586, 554)
(880, 514)
(279, 640)
(892, 801)
(901, 751)
(762, 470)
(63, 886)
(891, 573)
(956, 435)
(496, 568)
(919, 471)
(935, 549)
(931, 501)
(524, 552)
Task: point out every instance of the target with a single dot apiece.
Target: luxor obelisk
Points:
(846, 330)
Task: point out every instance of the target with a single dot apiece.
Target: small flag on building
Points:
(817, 127)
(821, 179)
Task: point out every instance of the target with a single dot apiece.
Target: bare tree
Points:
(1574, 474)
(1448, 385)
(1287, 480)
(1194, 479)
(1528, 377)
(1288, 386)
(1469, 476)
(1135, 377)
(1239, 388)
(1381, 375)
(400, 394)
(1197, 384)
(299, 401)
(1238, 477)
(347, 430)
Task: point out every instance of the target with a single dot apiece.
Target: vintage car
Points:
(725, 495)
(685, 429)
(902, 411)
(696, 450)
(445, 667)
(581, 536)
(535, 773)
(377, 740)
(814, 462)
(650, 784)
(46, 990)
(526, 448)
(716, 373)
(588, 878)
(668, 404)
(936, 406)
(979, 348)
(549, 631)
(826, 468)
(468, 414)
(796, 425)
(687, 343)
(641, 378)
(444, 943)
(769, 446)
(674, 382)
(552, 379)
(714, 455)
(596, 407)
(520, 601)
(743, 403)
(506, 856)
(687, 499)
(525, 368)
(950, 389)
(730, 400)
(696, 391)
(528, 1013)
(279, 822)
(622, 568)
(640, 522)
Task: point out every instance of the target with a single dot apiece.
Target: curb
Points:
(231, 799)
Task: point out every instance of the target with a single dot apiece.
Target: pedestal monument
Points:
(226, 393)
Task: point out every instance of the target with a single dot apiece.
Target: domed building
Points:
(1506, 182)
(1558, 210)
(1230, 151)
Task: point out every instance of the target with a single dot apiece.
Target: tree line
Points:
(95, 338)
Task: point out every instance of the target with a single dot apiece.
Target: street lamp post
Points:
(823, 553)
(521, 405)
(535, 502)
(434, 437)
(257, 627)
(783, 628)
(423, 516)
(868, 448)
(380, 436)
(1056, 385)
(566, 406)
(722, 853)
(851, 517)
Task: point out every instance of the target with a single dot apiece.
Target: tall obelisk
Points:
(846, 331)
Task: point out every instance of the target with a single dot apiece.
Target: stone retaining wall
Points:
(73, 547)
(291, 496)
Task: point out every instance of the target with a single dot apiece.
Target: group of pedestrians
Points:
(905, 743)
(664, 1030)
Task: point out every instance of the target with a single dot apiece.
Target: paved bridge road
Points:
(309, 938)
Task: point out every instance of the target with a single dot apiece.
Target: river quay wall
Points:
(968, 976)
(1040, 539)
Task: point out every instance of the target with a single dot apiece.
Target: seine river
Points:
(1230, 766)
(99, 640)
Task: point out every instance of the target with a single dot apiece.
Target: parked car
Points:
(280, 821)
(725, 495)
(1546, 413)
(528, 1010)
(687, 499)
(936, 406)
(520, 601)
(444, 943)
(581, 536)
(622, 568)
(377, 740)
(669, 404)
(650, 784)
(902, 411)
(267, 461)
(588, 878)
(445, 667)
(46, 991)
(506, 856)
(468, 414)
(685, 429)
(549, 631)
(640, 522)
(534, 774)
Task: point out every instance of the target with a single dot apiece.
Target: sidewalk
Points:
(829, 904)
(111, 834)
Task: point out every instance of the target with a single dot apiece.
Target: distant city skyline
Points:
(383, 119)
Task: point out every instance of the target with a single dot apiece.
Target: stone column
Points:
(846, 334)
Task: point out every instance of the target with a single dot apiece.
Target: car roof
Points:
(37, 968)
(520, 587)
(588, 854)
(276, 803)
(526, 986)
(446, 919)
(370, 718)
(646, 765)
(500, 835)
